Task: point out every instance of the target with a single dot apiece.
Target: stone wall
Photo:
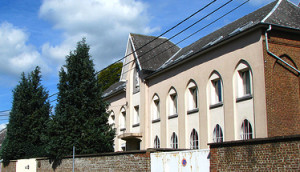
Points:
(11, 167)
(268, 154)
(110, 162)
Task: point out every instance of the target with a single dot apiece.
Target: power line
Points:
(184, 20)
(188, 36)
(160, 34)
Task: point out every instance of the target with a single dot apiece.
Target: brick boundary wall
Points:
(106, 162)
(267, 154)
(10, 168)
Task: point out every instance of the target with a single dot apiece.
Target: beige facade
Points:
(216, 94)
(222, 61)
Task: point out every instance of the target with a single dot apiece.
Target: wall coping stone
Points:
(255, 141)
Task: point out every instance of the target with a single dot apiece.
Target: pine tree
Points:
(80, 118)
(27, 122)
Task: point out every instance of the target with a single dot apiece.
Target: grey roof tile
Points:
(151, 60)
(118, 86)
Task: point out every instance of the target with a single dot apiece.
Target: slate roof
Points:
(280, 13)
(156, 57)
(116, 87)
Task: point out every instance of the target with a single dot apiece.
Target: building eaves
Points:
(272, 14)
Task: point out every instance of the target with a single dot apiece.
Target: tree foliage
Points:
(80, 118)
(28, 118)
(110, 75)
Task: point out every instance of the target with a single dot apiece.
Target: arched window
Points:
(194, 142)
(155, 108)
(246, 130)
(156, 142)
(215, 89)
(172, 102)
(111, 118)
(136, 119)
(123, 119)
(218, 134)
(244, 80)
(174, 141)
(192, 96)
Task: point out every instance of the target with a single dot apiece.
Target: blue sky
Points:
(43, 32)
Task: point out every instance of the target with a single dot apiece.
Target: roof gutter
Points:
(272, 54)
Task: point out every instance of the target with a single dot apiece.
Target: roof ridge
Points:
(272, 11)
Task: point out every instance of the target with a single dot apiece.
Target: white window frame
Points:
(174, 141)
(246, 130)
(192, 96)
(155, 108)
(216, 89)
(173, 106)
(111, 119)
(136, 116)
(156, 142)
(122, 119)
(244, 80)
(217, 134)
(194, 140)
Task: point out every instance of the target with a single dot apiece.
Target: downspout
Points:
(272, 54)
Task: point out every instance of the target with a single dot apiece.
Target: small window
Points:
(216, 91)
(218, 134)
(174, 141)
(111, 118)
(246, 130)
(244, 80)
(172, 102)
(155, 108)
(194, 142)
(192, 96)
(136, 115)
(123, 119)
(156, 142)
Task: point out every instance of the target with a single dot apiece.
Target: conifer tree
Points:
(80, 118)
(28, 118)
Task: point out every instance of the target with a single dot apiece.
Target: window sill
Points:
(192, 111)
(136, 125)
(122, 129)
(216, 105)
(245, 97)
(173, 116)
(156, 120)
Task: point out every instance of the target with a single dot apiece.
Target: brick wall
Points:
(10, 168)
(112, 162)
(282, 84)
(269, 154)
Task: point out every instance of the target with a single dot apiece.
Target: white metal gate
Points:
(183, 161)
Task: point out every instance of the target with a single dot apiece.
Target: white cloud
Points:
(16, 55)
(105, 24)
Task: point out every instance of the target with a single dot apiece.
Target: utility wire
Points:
(189, 35)
(160, 34)
(184, 20)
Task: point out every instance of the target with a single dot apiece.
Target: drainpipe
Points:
(272, 54)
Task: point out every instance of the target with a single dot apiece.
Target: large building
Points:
(239, 82)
